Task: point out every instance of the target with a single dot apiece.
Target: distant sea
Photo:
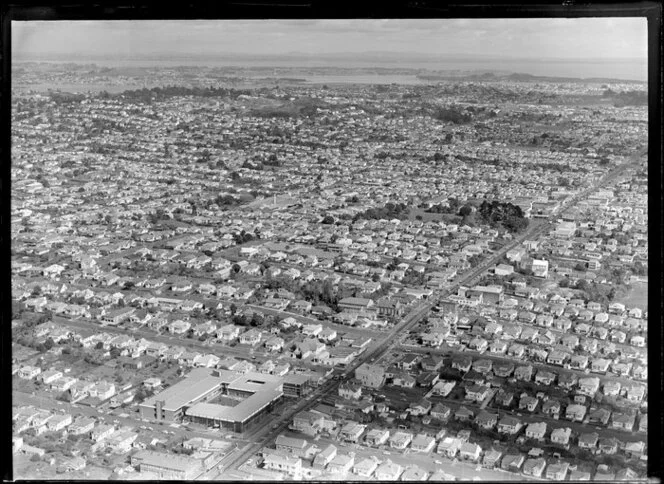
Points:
(621, 69)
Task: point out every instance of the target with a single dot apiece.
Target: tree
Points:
(465, 211)
(328, 220)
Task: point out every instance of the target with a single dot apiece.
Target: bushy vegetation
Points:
(451, 115)
(502, 215)
(390, 211)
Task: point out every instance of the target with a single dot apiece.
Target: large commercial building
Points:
(241, 399)
(168, 466)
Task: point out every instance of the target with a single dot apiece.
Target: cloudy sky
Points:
(588, 38)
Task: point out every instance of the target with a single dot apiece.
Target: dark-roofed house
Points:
(509, 425)
(524, 373)
(588, 440)
(486, 419)
(512, 462)
(622, 421)
(504, 398)
(463, 414)
(599, 416)
(534, 467)
(557, 472)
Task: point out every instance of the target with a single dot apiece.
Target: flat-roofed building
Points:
(168, 466)
(171, 403)
(259, 393)
(256, 394)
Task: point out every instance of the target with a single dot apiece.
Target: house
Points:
(404, 380)
(478, 344)
(423, 443)
(556, 357)
(608, 445)
(482, 366)
(283, 463)
(567, 380)
(491, 458)
(503, 370)
(557, 472)
(228, 332)
(643, 423)
(388, 471)
(534, 467)
(274, 343)
(498, 347)
(516, 350)
(462, 364)
(121, 441)
(486, 420)
(350, 391)
(341, 464)
(449, 447)
(611, 388)
(544, 377)
(50, 376)
(579, 362)
(579, 475)
(622, 421)
(307, 422)
(351, 432)
(504, 398)
(635, 449)
(477, 393)
(432, 363)
(635, 393)
(551, 407)
(561, 436)
(251, 337)
(365, 467)
(58, 422)
(512, 462)
(589, 386)
(420, 408)
(470, 452)
(588, 440)
(526, 402)
(325, 456)
(599, 365)
(440, 411)
(575, 412)
(376, 437)
(509, 425)
(599, 416)
(463, 414)
(28, 372)
(524, 373)
(536, 430)
(294, 446)
(400, 440)
(82, 425)
(372, 376)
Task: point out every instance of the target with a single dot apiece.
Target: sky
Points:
(570, 39)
